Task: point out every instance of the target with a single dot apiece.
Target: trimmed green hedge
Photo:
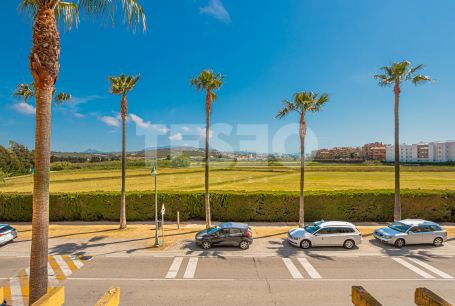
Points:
(273, 206)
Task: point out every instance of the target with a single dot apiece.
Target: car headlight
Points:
(387, 236)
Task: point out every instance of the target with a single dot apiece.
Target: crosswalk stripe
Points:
(51, 276)
(191, 268)
(431, 268)
(77, 262)
(16, 292)
(292, 268)
(413, 268)
(70, 263)
(309, 268)
(55, 266)
(174, 268)
(23, 280)
(63, 266)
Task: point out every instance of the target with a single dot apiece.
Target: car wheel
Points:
(437, 241)
(399, 243)
(305, 244)
(244, 245)
(349, 244)
(206, 245)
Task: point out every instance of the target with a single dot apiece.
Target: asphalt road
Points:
(270, 273)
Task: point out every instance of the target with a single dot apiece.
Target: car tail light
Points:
(248, 233)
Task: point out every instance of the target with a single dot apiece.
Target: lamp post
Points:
(154, 174)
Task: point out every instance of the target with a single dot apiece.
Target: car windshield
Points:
(311, 228)
(5, 229)
(400, 227)
(213, 229)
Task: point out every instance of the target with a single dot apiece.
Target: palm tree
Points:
(122, 85)
(27, 91)
(44, 66)
(209, 82)
(395, 75)
(302, 102)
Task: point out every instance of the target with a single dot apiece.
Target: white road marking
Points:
(51, 276)
(431, 268)
(16, 292)
(413, 268)
(174, 268)
(77, 262)
(309, 268)
(191, 268)
(292, 268)
(63, 265)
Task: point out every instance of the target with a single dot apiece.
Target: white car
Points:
(7, 234)
(322, 233)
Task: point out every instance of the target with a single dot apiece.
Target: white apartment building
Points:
(433, 152)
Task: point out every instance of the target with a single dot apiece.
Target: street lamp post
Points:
(154, 173)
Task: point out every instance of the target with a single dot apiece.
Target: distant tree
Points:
(302, 102)
(181, 161)
(209, 82)
(3, 175)
(121, 86)
(394, 75)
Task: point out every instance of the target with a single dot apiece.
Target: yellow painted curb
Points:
(110, 298)
(55, 297)
(2, 295)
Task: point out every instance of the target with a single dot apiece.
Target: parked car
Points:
(411, 231)
(230, 233)
(325, 233)
(7, 234)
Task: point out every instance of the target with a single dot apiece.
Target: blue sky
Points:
(266, 49)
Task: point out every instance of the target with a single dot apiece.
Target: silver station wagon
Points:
(322, 233)
(411, 231)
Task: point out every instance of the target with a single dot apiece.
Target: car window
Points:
(425, 229)
(6, 229)
(311, 228)
(345, 230)
(235, 231)
(328, 231)
(436, 228)
(400, 227)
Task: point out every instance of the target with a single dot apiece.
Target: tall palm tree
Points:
(27, 91)
(122, 85)
(302, 102)
(209, 82)
(394, 75)
(44, 66)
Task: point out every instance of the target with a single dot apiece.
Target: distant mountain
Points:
(92, 151)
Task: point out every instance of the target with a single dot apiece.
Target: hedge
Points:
(235, 206)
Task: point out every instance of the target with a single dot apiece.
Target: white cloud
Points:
(147, 124)
(216, 9)
(110, 121)
(24, 108)
(201, 132)
(176, 137)
(79, 115)
(185, 129)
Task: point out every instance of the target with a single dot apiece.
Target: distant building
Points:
(338, 154)
(432, 152)
(374, 151)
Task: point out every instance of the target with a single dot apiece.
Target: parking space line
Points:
(413, 268)
(309, 268)
(430, 268)
(191, 268)
(174, 268)
(292, 268)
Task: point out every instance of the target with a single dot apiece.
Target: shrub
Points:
(273, 206)
(181, 161)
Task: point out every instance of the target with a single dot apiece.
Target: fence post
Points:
(178, 219)
(361, 297)
(426, 297)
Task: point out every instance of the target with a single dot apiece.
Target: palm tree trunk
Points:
(124, 110)
(302, 133)
(44, 67)
(397, 206)
(208, 105)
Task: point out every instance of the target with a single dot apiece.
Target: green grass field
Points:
(249, 178)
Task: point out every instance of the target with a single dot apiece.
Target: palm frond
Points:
(122, 84)
(133, 13)
(208, 80)
(288, 107)
(384, 80)
(68, 14)
(61, 98)
(30, 7)
(24, 91)
(420, 79)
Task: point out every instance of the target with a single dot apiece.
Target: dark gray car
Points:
(226, 234)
